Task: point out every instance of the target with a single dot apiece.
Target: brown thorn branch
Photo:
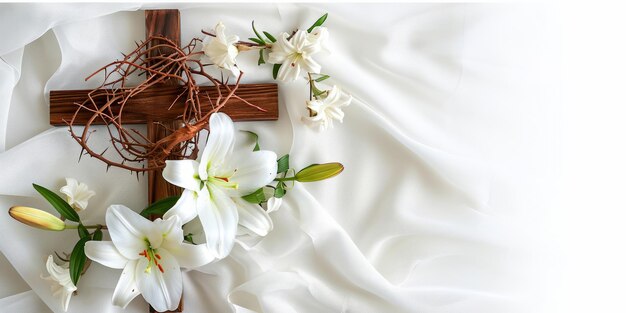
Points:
(133, 150)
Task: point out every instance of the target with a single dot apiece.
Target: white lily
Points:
(214, 186)
(319, 36)
(77, 193)
(295, 55)
(151, 254)
(62, 286)
(328, 109)
(221, 50)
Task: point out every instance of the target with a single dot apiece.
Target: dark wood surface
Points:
(164, 23)
(153, 104)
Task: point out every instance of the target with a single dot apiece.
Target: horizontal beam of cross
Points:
(140, 109)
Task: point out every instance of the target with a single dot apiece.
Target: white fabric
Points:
(448, 142)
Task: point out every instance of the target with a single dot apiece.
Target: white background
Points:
(582, 259)
(589, 222)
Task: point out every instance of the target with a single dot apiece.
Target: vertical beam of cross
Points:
(164, 23)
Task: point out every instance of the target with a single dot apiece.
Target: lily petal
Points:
(129, 230)
(273, 204)
(105, 253)
(190, 256)
(299, 40)
(195, 230)
(310, 65)
(219, 144)
(289, 71)
(247, 239)
(126, 289)
(253, 217)
(185, 207)
(254, 170)
(161, 289)
(219, 219)
(182, 173)
(171, 229)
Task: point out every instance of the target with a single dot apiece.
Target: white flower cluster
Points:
(292, 56)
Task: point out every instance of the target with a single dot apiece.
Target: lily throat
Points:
(153, 258)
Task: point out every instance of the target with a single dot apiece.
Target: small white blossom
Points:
(328, 109)
(78, 194)
(295, 55)
(221, 49)
(319, 36)
(62, 285)
(273, 204)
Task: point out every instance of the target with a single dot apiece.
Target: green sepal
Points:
(82, 231)
(97, 235)
(59, 204)
(283, 164)
(77, 260)
(261, 60)
(160, 207)
(319, 22)
(322, 78)
(280, 190)
(189, 238)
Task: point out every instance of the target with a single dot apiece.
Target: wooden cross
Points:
(145, 108)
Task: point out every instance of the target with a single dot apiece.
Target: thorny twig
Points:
(134, 151)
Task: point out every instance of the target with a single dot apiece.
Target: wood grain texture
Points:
(164, 23)
(154, 103)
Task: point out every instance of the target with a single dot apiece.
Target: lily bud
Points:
(318, 172)
(36, 218)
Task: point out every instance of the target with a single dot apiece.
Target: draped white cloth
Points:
(448, 148)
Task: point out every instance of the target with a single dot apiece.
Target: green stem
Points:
(86, 226)
(310, 87)
(285, 179)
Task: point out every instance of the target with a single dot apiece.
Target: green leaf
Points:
(280, 190)
(59, 204)
(323, 78)
(283, 164)
(318, 92)
(82, 231)
(97, 235)
(160, 207)
(269, 36)
(261, 60)
(260, 195)
(275, 70)
(261, 42)
(257, 33)
(256, 197)
(77, 260)
(319, 22)
(256, 139)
